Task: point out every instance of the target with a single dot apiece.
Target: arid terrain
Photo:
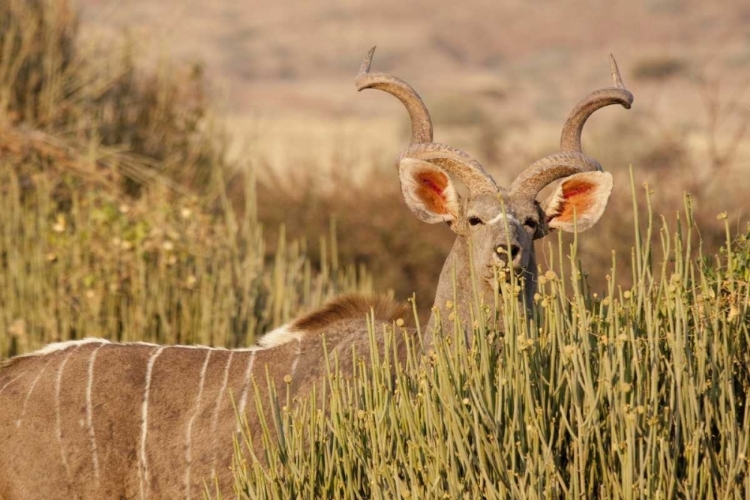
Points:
(201, 173)
(283, 70)
(499, 79)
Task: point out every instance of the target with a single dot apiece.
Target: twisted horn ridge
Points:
(455, 162)
(549, 169)
(570, 139)
(571, 160)
(421, 124)
(421, 147)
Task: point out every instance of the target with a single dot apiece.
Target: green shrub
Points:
(114, 217)
(641, 393)
(157, 269)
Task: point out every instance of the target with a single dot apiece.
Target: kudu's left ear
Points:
(428, 191)
(579, 201)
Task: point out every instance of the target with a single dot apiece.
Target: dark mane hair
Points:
(354, 306)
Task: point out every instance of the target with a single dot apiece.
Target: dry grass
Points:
(659, 68)
(405, 255)
(541, 58)
(115, 219)
(97, 97)
(121, 217)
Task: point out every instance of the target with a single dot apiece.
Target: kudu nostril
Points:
(508, 254)
(514, 250)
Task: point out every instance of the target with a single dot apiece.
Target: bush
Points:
(642, 392)
(99, 97)
(377, 228)
(660, 68)
(114, 218)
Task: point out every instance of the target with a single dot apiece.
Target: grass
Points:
(120, 217)
(639, 393)
(149, 270)
(115, 219)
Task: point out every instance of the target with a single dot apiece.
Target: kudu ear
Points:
(579, 201)
(428, 191)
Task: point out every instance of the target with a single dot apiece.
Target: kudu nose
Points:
(509, 255)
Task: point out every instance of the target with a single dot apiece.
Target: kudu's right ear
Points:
(428, 191)
(579, 201)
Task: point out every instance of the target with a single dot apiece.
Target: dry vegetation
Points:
(322, 151)
(641, 392)
(121, 217)
(115, 221)
(373, 223)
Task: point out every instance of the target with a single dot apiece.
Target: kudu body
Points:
(94, 419)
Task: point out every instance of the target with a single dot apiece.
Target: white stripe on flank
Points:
(188, 438)
(204, 347)
(501, 216)
(246, 388)
(90, 413)
(28, 394)
(58, 418)
(143, 465)
(11, 381)
(296, 358)
(215, 417)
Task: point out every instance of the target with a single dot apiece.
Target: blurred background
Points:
(151, 101)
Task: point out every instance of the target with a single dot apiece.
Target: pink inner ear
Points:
(576, 193)
(432, 190)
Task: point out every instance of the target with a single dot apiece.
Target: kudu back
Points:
(96, 419)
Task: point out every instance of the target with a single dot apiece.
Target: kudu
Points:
(96, 419)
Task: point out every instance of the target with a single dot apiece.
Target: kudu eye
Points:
(475, 221)
(531, 223)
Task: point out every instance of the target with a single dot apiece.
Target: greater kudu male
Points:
(97, 419)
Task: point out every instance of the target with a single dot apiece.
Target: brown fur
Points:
(135, 435)
(353, 306)
(130, 421)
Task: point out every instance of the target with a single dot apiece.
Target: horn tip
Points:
(367, 61)
(361, 81)
(616, 77)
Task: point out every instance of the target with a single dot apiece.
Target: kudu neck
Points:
(456, 292)
(459, 293)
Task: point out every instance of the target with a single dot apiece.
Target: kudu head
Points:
(495, 226)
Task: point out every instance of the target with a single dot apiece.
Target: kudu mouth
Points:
(498, 273)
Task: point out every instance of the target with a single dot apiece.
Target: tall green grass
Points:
(115, 218)
(158, 269)
(640, 393)
(115, 221)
